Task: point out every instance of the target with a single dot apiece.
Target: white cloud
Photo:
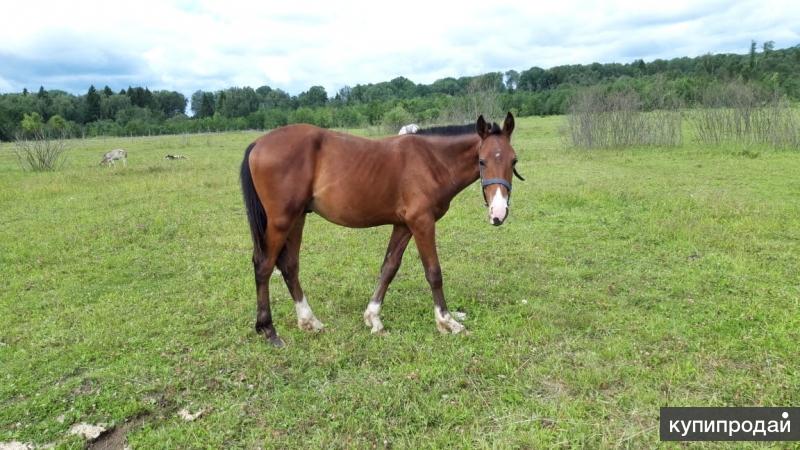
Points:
(185, 45)
(5, 86)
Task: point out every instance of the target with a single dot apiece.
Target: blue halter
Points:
(491, 181)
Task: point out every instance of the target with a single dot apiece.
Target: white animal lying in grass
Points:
(114, 155)
(411, 128)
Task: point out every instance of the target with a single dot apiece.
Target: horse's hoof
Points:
(272, 338)
(445, 322)
(449, 326)
(276, 341)
(373, 321)
(312, 324)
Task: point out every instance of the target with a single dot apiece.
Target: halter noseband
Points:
(491, 181)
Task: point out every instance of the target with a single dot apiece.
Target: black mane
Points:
(455, 130)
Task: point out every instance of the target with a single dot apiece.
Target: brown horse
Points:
(407, 181)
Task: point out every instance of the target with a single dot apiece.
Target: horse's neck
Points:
(462, 155)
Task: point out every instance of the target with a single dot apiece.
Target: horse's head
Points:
(496, 161)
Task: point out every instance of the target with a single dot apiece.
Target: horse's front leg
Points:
(424, 231)
(391, 262)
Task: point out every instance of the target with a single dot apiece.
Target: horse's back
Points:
(116, 153)
(302, 141)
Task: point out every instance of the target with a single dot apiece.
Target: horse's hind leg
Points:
(263, 272)
(263, 264)
(289, 265)
(391, 262)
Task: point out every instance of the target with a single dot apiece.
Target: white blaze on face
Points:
(498, 209)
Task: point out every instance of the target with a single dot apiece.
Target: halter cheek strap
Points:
(491, 181)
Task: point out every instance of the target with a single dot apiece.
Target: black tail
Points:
(255, 211)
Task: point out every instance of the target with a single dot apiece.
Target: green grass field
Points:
(623, 281)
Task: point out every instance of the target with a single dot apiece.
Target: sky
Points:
(187, 45)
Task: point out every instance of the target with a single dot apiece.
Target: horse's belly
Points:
(352, 214)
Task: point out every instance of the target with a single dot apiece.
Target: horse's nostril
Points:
(496, 221)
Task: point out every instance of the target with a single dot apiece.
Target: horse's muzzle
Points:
(496, 219)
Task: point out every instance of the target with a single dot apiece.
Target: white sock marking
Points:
(305, 316)
(372, 316)
(445, 323)
(374, 308)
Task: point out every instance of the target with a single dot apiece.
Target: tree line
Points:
(535, 91)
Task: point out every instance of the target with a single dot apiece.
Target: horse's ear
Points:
(508, 125)
(482, 128)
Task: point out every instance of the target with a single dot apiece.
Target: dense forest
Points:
(535, 91)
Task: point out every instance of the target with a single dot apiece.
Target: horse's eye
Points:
(481, 162)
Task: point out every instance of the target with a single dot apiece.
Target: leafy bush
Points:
(395, 118)
(274, 118)
(32, 124)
